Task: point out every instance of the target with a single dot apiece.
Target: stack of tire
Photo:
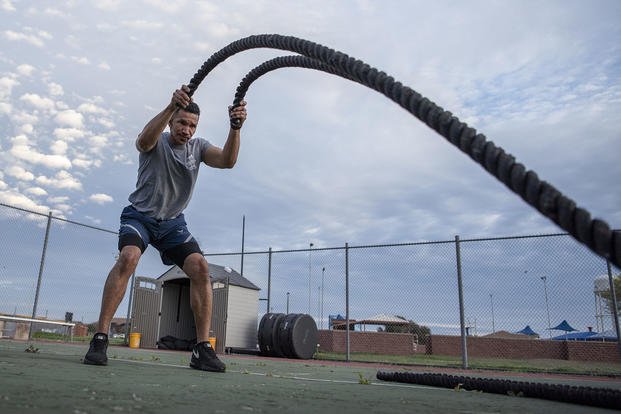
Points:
(288, 336)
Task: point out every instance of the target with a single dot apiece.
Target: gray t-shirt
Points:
(166, 177)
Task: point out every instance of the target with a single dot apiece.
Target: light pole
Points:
(491, 299)
(545, 292)
(323, 271)
(310, 250)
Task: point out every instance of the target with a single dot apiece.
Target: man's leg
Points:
(113, 293)
(116, 285)
(201, 295)
(203, 355)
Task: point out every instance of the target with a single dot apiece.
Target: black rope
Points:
(549, 201)
(292, 61)
(592, 396)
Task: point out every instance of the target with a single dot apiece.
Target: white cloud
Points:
(62, 180)
(23, 151)
(54, 12)
(90, 108)
(3, 185)
(70, 118)
(108, 5)
(21, 117)
(64, 208)
(94, 220)
(44, 34)
(20, 173)
(37, 101)
(55, 89)
(7, 5)
(85, 163)
(38, 191)
(68, 134)
(26, 129)
(81, 60)
(6, 86)
(167, 6)
(5, 108)
(58, 199)
(106, 123)
(25, 69)
(104, 66)
(19, 200)
(59, 147)
(142, 24)
(32, 39)
(98, 140)
(100, 198)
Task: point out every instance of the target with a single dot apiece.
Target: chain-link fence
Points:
(537, 298)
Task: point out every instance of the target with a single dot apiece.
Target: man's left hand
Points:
(237, 115)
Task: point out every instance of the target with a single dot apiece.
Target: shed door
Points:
(146, 310)
(219, 316)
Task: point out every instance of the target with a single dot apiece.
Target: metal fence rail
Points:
(466, 297)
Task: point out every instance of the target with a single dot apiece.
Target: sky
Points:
(323, 160)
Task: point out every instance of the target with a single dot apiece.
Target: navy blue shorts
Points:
(170, 237)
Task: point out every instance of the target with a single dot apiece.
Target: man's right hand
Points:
(181, 97)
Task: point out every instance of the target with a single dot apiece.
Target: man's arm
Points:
(226, 157)
(153, 129)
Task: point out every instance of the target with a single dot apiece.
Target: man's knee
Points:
(128, 259)
(196, 267)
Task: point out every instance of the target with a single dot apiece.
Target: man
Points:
(167, 172)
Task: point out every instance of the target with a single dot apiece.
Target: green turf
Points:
(52, 379)
(515, 365)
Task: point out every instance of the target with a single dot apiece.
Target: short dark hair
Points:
(191, 108)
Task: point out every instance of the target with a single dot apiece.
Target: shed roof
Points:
(217, 273)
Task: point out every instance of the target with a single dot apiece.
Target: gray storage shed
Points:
(161, 307)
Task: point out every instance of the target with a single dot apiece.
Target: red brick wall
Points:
(80, 330)
(525, 348)
(593, 351)
(369, 342)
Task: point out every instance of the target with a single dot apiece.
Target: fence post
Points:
(347, 348)
(613, 298)
(462, 323)
(241, 272)
(36, 299)
(269, 279)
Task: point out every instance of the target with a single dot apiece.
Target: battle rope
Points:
(597, 397)
(549, 201)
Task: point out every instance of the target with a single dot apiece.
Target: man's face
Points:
(182, 126)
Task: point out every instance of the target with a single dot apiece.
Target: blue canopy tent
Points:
(528, 331)
(563, 326)
(575, 336)
(609, 335)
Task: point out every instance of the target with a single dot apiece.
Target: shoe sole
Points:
(91, 362)
(206, 368)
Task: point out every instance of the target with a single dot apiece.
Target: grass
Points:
(512, 365)
(47, 336)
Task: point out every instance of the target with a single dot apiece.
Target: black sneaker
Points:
(204, 358)
(96, 354)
